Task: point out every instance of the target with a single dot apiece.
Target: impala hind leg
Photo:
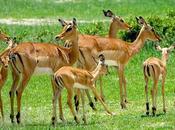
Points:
(54, 102)
(154, 94)
(16, 78)
(19, 92)
(69, 102)
(146, 94)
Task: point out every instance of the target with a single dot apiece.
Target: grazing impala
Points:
(88, 47)
(70, 78)
(156, 69)
(4, 61)
(36, 58)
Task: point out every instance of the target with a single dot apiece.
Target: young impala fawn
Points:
(31, 58)
(156, 69)
(71, 78)
(88, 48)
(4, 60)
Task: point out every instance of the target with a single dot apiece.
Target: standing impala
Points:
(70, 78)
(36, 58)
(156, 69)
(118, 52)
(4, 61)
(88, 47)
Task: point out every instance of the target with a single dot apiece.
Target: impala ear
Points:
(108, 13)
(171, 48)
(101, 58)
(63, 23)
(74, 21)
(141, 21)
(158, 48)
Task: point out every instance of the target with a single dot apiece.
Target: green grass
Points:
(37, 98)
(82, 9)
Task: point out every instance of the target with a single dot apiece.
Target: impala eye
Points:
(69, 29)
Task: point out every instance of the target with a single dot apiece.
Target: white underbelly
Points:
(111, 63)
(43, 70)
(78, 85)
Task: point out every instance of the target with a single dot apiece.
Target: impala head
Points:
(103, 66)
(4, 60)
(116, 20)
(165, 51)
(4, 37)
(147, 30)
(69, 30)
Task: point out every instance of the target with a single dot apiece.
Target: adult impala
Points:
(88, 46)
(37, 58)
(155, 68)
(70, 78)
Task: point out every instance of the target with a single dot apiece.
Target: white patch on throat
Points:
(43, 70)
(78, 85)
(111, 63)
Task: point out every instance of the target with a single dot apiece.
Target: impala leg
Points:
(95, 98)
(83, 103)
(154, 94)
(19, 92)
(101, 89)
(121, 72)
(54, 87)
(76, 99)
(61, 116)
(54, 101)
(125, 91)
(69, 102)
(146, 93)
(90, 100)
(1, 107)
(99, 98)
(16, 78)
(163, 93)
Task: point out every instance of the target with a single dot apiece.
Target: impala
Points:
(70, 78)
(31, 58)
(4, 61)
(156, 69)
(88, 48)
(118, 52)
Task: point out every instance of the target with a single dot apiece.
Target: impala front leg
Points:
(163, 93)
(1, 107)
(121, 72)
(101, 89)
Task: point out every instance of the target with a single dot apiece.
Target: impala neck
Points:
(113, 30)
(164, 59)
(96, 72)
(74, 50)
(138, 44)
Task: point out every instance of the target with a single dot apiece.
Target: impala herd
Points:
(92, 55)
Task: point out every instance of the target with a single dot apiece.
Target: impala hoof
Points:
(76, 120)
(123, 105)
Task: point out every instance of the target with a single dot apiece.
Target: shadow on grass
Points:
(157, 115)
